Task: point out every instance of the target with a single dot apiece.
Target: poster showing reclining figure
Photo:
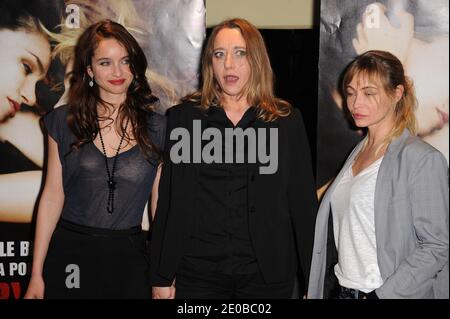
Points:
(417, 32)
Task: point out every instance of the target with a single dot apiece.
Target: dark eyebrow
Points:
(109, 59)
(38, 61)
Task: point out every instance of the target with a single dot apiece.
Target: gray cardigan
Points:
(411, 222)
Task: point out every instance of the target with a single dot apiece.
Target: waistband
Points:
(349, 293)
(93, 231)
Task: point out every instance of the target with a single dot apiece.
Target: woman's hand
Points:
(36, 288)
(163, 292)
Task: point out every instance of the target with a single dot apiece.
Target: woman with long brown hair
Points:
(229, 224)
(103, 158)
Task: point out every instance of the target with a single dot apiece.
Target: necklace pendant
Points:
(110, 181)
(111, 185)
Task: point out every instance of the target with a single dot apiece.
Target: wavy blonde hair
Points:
(384, 67)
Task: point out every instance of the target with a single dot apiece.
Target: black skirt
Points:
(86, 262)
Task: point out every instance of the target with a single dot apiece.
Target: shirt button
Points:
(252, 178)
(251, 209)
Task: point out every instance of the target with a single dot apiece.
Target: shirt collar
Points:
(216, 114)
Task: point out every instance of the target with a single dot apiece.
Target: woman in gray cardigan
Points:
(382, 227)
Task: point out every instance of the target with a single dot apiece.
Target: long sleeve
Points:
(301, 195)
(428, 195)
(162, 212)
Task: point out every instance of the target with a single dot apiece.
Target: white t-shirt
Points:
(352, 204)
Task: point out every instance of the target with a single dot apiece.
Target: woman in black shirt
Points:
(237, 205)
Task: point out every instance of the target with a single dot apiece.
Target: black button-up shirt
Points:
(220, 242)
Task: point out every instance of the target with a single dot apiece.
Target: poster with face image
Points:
(37, 38)
(417, 32)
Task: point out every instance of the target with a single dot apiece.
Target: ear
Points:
(89, 71)
(399, 90)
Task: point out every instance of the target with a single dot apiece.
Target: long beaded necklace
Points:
(111, 182)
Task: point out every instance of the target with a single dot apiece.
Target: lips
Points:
(231, 79)
(15, 106)
(358, 116)
(117, 82)
(443, 116)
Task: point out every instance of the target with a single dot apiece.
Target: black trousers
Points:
(193, 283)
(349, 293)
(91, 263)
